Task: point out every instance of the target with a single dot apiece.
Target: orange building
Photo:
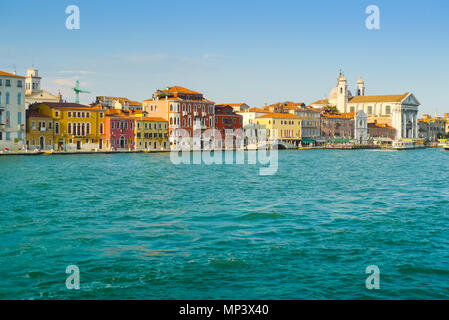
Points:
(183, 109)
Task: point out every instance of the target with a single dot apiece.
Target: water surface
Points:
(138, 226)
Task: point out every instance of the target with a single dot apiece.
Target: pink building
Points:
(119, 132)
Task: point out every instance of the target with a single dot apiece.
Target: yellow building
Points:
(76, 126)
(39, 131)
(282, 126)
(151, 133)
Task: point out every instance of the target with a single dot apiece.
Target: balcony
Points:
(42, 129)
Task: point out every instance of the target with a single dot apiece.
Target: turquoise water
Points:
(138, 226)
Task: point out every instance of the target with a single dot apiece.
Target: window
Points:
(19, 98)
(0, 98)
(7, 97)
(57, 114)
(370, 110)
(8, 83)
(8, 119)
(101, 115)
(33, 125)
(69, 114)
(1, 82)
(387, 110)
(101, 128)
(57, 127)
(19, 117)
(69, 128)
(352, 109)
(19, 84)
(88, 128)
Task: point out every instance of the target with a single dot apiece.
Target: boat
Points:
(446, 147)
(404, 145)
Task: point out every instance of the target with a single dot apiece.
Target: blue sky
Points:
(233, 51)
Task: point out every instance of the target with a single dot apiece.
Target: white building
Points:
(402, 109)
(249, 115)
(12, 111)
(361, 127)
(33, 91)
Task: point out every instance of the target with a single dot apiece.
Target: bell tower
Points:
(360, 87)
(32, 81)
(342, 88)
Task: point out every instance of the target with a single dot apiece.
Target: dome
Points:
(333, 96)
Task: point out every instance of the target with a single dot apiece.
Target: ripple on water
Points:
(136, 221)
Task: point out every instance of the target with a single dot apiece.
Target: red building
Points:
(119, 130)
(227, 119)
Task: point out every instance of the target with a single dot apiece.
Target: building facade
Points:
(120, 132)
(150, 133)
(183, 109)
(310, 122)
(432, 128)
(401, 108)
(381, 131)
(12, 111)
(226, 119)
(76, 126)
(281, 126)
(39, 131)
(337, 126)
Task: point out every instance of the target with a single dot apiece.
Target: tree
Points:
(331, 109)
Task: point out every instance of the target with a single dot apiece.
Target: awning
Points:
(307, 141)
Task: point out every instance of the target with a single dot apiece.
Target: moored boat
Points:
(404, 145)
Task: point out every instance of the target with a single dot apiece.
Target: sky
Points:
(248, 51)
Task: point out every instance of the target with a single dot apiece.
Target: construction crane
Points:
(78, 91)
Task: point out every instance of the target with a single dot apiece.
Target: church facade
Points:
(401, 110)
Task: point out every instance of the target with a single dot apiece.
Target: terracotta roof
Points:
(232, 104)
(135, 103)
(278, 116)
(35, 114)
(385, 98)
(179, 89)
(377, 125)
(7, 74)
(322, 101)
(348, 115)
(69, 105)
(254, 110)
